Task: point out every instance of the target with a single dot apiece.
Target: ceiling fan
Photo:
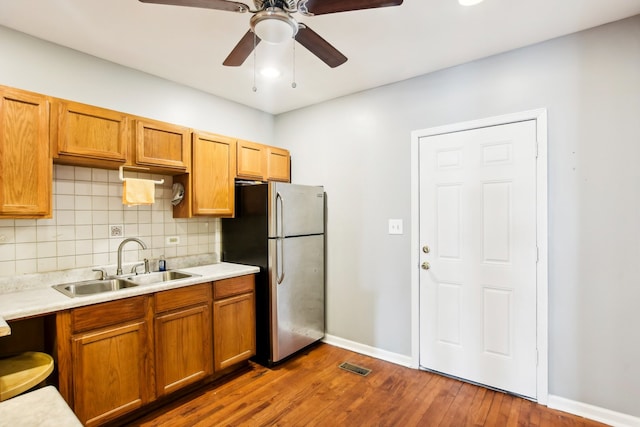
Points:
(273, 23)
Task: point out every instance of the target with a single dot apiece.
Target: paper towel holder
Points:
(121, 173)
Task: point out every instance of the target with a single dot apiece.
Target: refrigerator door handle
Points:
(280, 240)
(281, 212)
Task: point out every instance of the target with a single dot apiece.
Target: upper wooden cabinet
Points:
(210, 187)
(262, 162)
(252, 160)
(89, 136)
(25, 159)
(163, 145)
(278, 164)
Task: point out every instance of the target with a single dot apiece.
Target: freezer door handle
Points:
(280, 239)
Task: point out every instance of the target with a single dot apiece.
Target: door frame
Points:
(540, 116)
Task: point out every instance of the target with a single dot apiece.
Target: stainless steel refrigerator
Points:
(280, 228)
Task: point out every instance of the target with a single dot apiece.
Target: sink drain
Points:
(355, 369)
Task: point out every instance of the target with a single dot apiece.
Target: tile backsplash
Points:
(87, 205)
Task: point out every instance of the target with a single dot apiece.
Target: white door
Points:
(477, 222)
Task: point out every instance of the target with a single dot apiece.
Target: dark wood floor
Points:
(311, 390)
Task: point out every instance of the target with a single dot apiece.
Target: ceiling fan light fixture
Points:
(270, 72)
(273, 25)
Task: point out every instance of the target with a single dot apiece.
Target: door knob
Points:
(426, 249)
(425, 265)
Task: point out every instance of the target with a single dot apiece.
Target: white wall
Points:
(359, 148)
(32, 64)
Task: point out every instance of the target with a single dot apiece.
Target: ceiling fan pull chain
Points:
(255, 88)
(293, 83)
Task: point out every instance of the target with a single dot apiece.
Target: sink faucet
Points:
(129, 239)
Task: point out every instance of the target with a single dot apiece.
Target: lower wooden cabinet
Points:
(184, 352)
(117, 356)
(109, 375)
(234, 326)
(104, 359)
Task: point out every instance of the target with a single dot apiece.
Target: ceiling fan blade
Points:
(319, 47)
(242, 50)
(321, 7)
(231, 6)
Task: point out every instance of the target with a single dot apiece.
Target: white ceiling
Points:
(187, 45)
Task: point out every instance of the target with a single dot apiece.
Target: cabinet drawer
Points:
(233, 286)
(182, 297)
(108, 313)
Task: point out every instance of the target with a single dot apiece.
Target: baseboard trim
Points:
(388, 356)
(595, 413)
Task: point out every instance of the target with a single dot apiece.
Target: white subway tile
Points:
(25, 234)
(84, 232)
(82, 188)
(83, 217)
(65, 202)
(63, 172)
(47, 249)
(47, 264)
(25, 266)
(66, 262)
(99, 175)
(66, 248)
(83, 174)
(7, 252)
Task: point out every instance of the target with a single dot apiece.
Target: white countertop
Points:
(45, 300)
(43, 407)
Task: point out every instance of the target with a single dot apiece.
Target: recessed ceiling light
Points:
(270, 72)
(469, 2)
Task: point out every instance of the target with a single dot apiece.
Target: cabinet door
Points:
(214, 164)
(25, 157)
(252, 160)
(109, 376)
(184, 351)
(162, 144)
(278, 164)
(234, 330)
(90, 133)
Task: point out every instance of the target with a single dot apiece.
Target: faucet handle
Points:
(103, 272)
(135, 267)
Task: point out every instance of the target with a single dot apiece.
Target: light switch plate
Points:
(172, 240)
(395, 226)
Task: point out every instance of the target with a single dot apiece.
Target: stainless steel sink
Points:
(159, 277)
(92, 287)
(97, 286)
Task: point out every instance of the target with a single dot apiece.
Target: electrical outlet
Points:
(395, 226)
(116, 230)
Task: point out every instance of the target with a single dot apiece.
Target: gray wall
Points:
(359, 148)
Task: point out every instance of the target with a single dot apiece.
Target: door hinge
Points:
(537, 254)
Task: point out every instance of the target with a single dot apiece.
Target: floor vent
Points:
(355, 369)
